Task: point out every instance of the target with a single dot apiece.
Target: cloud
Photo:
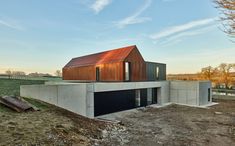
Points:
(10, 25)
(99, 5)
(179, 36)
(134, 18)
(181, 28)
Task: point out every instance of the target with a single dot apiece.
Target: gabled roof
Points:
(110, 56)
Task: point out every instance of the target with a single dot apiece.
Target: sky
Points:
(42, 36)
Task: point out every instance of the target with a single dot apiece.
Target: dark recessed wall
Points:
(151, 71)
(114, 101)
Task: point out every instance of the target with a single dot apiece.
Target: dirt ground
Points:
(177, 125)
(171, 125)
(50, 126)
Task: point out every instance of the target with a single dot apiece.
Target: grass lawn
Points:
(12, 86)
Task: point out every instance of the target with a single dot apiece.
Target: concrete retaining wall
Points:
(189, 92)
(72, 97)
(203, 93)
(79, 97)
(184, 92)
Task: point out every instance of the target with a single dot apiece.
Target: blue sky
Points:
(44, 35)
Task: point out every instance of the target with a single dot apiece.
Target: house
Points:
(116, 80)
(118, 65)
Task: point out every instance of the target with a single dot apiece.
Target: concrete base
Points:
(200, 106)
(79, 97)
(160, 106)
(194, 93)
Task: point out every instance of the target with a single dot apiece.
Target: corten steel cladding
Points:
(109, 64)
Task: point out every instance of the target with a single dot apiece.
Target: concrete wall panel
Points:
(69, 96)
(192, 97)
(203, 93)
(189, 92)
(29, 91)
(73, 98)
(45, 93)
(149, 96)
(184, 92)
(48, 93)
(79, 97)
(101, 87)
(174, 95)
(192, 85)
(164, 92)
(182, 96)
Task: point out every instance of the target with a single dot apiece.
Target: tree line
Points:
(220, 75)
(21, 74)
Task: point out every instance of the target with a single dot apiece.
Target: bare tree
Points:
(19, 74)
(225, 71)
(208, 72)
(227, 8)
(9, 73)
(58, 73)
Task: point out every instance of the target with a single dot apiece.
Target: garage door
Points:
(114, 101)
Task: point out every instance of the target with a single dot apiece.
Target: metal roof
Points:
(115, 55)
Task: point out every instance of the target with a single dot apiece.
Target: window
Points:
(154, 95)
(209, 94)
(157, 72)
(97, 73)
(137, 98)
(127, 71)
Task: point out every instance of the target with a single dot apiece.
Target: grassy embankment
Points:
(12, 86)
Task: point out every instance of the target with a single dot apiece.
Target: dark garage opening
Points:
(114, 101)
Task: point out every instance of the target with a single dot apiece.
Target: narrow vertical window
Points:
(127, 71)
(97, 74)
(209, 94)
(137, 98)
(157, 72)
(154, 95)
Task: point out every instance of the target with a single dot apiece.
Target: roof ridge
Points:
(114, 55)
(105, 51)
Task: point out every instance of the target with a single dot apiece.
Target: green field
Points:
(33, 78)
(12, 86)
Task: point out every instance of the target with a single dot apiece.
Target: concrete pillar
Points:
(137, 98)
(149, 96)
(90, 100)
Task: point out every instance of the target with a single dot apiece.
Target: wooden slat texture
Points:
(138, 66)
(110, 63)
(79, 73)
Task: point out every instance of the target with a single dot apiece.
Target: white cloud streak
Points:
(99, 5)
(10, 25)
(134, 18)
(179, 36)
(181, 28)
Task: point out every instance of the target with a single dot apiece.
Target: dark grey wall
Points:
(114, 101)
(151, 71)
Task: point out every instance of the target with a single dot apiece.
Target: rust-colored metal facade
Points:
(111, 66)
(137, 66)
